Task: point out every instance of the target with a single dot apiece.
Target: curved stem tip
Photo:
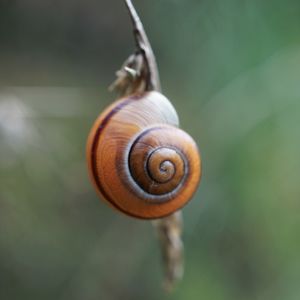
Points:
(143, 45)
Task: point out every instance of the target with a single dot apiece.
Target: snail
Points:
(140, 162)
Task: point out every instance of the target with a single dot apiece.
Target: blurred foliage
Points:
(235, 63)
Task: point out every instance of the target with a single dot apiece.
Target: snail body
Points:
(140, 162)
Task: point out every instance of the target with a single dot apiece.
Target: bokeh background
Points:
(232, 70)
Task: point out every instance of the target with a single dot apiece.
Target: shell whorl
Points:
(156, 163)
(140, 162)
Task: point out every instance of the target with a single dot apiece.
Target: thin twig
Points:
(144, 46)
(139, 73)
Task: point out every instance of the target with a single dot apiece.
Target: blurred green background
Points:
(232, 70)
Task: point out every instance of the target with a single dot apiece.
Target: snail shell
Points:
(139, 161)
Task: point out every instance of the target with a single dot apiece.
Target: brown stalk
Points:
(139, 73)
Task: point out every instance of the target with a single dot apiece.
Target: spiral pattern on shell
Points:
(139, 161)
(157, 166)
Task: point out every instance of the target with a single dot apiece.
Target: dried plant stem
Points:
(144, 46)
(139, 73)
(169, 232)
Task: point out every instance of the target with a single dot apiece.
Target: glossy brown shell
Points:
(139, 160)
